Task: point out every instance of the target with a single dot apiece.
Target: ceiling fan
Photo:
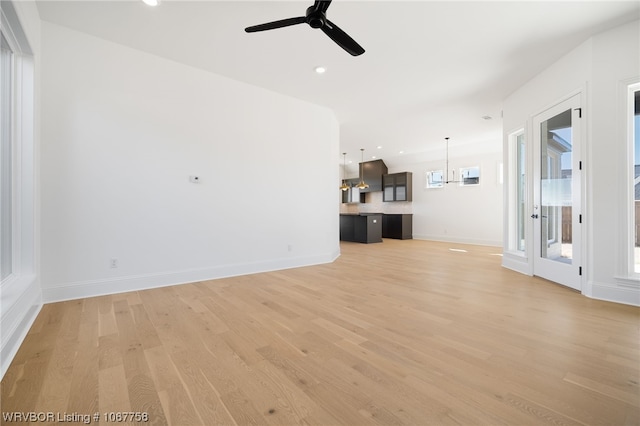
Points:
(316, 17)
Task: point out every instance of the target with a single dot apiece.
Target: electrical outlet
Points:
(113, 263)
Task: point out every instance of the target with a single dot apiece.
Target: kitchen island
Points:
(361, 227)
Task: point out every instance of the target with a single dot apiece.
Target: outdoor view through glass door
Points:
(557, 194)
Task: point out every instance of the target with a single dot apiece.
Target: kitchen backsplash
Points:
(374, 204)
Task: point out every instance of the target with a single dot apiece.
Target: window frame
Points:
(8, 150)
(632, 271)
(430, 183)
(517, 193)
(468, 181)
(23, 143)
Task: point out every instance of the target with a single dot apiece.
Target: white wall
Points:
(463, 214)
(616, 61)
(598, 68)
(122, 133)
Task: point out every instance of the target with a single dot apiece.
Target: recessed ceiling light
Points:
(374, 157)
(151, 2)
(401, 152)
(320, 70)
(379, 147)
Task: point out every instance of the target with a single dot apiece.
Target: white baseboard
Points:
(614, 293)
(101, 287)
(621, 292)
(17, 317)
(516, 263)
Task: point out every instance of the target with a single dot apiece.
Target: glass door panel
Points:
(555, 188)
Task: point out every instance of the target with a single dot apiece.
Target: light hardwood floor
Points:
(402, 332)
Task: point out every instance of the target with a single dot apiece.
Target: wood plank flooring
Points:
(398, 333)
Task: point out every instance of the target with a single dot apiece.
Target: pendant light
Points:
(453, 171)
(344, 185)
(362, 185)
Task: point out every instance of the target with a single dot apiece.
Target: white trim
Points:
(517, 263)
(8, 166)
(92, 288)
(632, 283)
(20, 294)
(626, 262)
(19, 310)
(13, 29)
(617, 294)
(510, 193)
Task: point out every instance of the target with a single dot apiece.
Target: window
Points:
(520, 191)
(517, 192)
(634, 130)
(17, 162)
(6, 160)
(435, 179)
(470, 176)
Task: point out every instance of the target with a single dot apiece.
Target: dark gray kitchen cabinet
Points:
(361, 228)
(397, 187)
(398, 226)
(373, 172)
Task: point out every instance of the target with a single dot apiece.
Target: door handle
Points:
(534, 216)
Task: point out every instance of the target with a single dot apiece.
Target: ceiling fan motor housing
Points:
(316, 18)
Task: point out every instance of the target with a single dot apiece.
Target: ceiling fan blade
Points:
(321, 5)
(342, 39)
(276, 24)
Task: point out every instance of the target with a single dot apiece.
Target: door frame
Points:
(574, 275)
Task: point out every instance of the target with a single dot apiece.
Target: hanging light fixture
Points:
(362, 185)
(453, 171)
(344, 185)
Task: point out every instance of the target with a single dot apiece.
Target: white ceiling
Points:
(431, 68)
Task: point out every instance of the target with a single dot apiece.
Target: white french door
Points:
(557, 204)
